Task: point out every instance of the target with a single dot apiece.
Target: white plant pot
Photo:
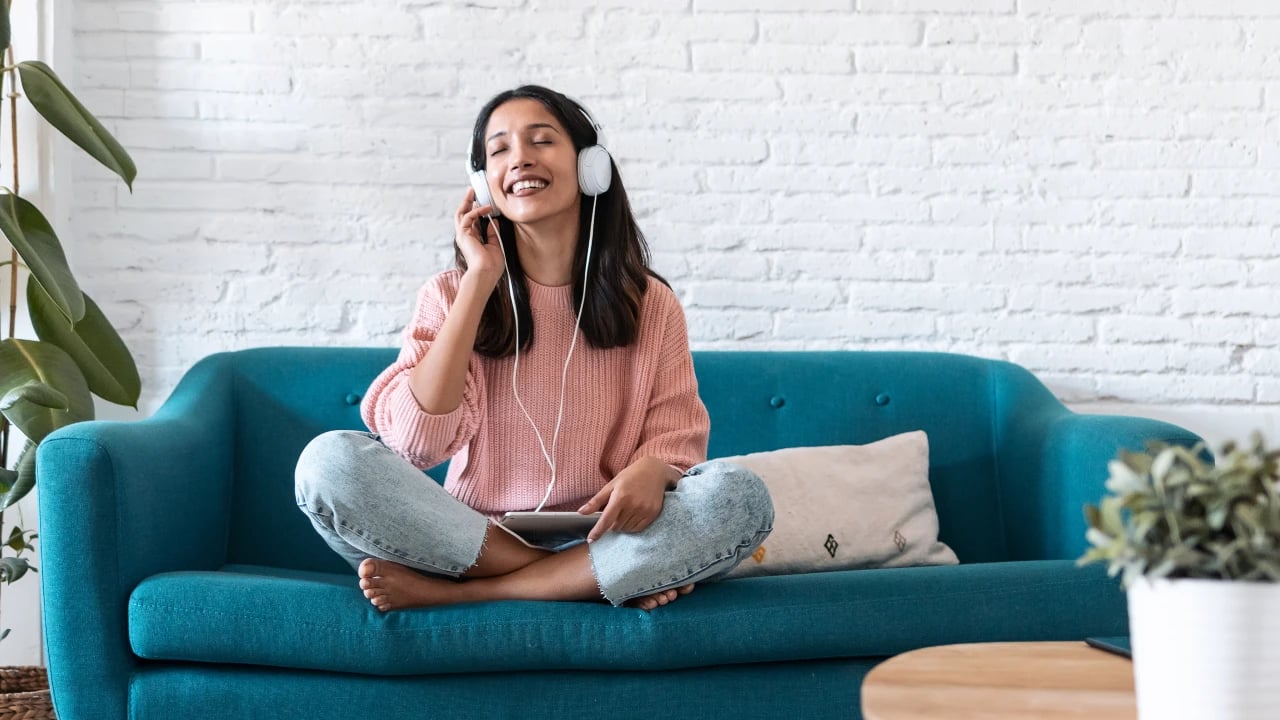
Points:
(1205, 649)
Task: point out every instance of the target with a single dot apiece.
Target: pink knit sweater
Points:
(620, 404)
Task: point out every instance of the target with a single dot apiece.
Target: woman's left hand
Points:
(632, 500)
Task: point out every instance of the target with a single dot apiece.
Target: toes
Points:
(687, 588)
(368, 568)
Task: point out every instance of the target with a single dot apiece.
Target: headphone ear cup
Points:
(595, 170)
(480, 183)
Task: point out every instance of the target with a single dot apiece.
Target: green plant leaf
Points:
(35, 393)
(12, 568)
(24, 478)
(30, 234)
(5, 39)
(23, 362)
(93, 343)
(60, 107)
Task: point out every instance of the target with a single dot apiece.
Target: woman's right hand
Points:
(483, 258)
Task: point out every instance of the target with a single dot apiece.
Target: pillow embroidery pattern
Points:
(874, 501)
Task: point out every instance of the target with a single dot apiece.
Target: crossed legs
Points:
(506, 570)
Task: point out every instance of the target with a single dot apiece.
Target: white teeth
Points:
(527, 184)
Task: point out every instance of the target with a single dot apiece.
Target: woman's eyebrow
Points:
(533, 126)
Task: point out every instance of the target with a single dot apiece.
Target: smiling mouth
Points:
(523, 188)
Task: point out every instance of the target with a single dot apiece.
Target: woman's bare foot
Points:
(391, 586)
(658, 599)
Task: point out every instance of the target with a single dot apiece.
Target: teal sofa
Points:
(180, 580)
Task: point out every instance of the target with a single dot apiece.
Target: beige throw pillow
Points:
(842, 507)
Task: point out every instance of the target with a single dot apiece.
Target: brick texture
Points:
(1085, 187)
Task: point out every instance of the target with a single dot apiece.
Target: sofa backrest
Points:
(757, 401)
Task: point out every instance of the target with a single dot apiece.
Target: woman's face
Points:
(530, 162)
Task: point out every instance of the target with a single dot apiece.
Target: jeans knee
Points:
(742, 489)
(324, 465)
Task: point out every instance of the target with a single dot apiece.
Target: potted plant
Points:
(50, 382)
(1198, 543)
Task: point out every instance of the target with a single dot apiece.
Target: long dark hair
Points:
(619, 257)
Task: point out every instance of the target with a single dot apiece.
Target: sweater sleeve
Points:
(390, 408)
(676, 423)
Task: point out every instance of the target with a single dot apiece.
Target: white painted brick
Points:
(711, 86)
(797, 265)
(1234, 183)
(333, 20)
(1130, 8)
(206, 136)
(1088, 300)
(939, 181)
(1095, 240)
(1092, 184)
(800, 235)
(785, 179)
(1201, 154)
(1228, 8)
(770, 5)
(1268, 391)
(845, 208)
(1089, 358)
(1150, 387)
(1228, 302)
(839, 150)
(970, 7)
(202, 75)
(1163, 330)
(946, 299)
(693, 148)
(934, 61)
(168, 17)
(729, 324)
(1133, 35)
(723, 57)
(906, 121)
(1221, 94)
(852, 326)
(1081, 186)
(1025, 328)
(648, 55)
(953, 30)
(1010, 269)
(858, 29)
(794, 295)
(152, 104)
(923, 237)
(1117, 270)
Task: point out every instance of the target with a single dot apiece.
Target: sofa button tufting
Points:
(353, 399)
(882, 399)
(777, 401)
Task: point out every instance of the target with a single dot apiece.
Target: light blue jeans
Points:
(367, 501)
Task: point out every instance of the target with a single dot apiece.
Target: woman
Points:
(636, 431)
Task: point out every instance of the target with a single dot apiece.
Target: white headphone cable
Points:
(564, 376)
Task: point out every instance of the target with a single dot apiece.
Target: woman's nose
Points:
(517, 156)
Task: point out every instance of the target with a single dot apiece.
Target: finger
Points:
(605, 523)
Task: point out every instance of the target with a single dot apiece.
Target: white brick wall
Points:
(1085, 188)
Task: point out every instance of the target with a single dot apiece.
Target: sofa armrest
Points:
(120, 502)
(1050, 470)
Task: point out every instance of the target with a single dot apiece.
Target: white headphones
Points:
(595, 168)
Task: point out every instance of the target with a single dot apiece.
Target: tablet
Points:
(528, 523)
(1118, 644)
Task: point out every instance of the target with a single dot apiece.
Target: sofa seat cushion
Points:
(288, 618)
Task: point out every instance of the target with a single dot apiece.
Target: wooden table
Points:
(998, 681)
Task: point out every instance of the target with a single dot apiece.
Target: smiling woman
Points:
(547, 214)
